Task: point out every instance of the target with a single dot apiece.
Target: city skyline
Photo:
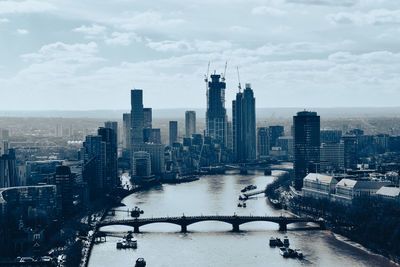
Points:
(320, 53)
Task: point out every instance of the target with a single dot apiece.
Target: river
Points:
(213, 243)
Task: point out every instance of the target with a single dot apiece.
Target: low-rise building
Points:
(348, 189)
(389, 193)
(319, 186)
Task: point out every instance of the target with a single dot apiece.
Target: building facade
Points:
(190, 123)
(306, 145)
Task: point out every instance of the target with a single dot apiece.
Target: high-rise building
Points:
(306, 145)
(8, 170)
(275, 132)
(156, 152)
(114, 126)
(141, 164)
(137, 116)
(350, 151)
(93, 163)
(216, 112)
(262, 142)
(64, 183)
(332, 157)
(229, 135)
(331, 136)
(155, 136)
(126, 129)
(173, 132)
(244, 125)
(147, 118)
(190, 123)
(109, 139)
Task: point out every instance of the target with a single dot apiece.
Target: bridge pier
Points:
(136, 229)
(282, 226)
(183, 228)
(235, 227)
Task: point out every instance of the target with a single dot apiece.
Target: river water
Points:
(213, 243)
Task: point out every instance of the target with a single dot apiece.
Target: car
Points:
(26, 259)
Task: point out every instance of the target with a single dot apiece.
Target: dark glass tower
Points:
(108, 137)
(216, 112)
(244, 125)
(137, 116)
(173, 132)
(306, 145)
(190, 123)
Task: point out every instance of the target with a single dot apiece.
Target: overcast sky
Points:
(70, 54)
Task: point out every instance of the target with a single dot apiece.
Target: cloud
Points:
(170, 46)
(145, 20)
(373, 17)
(325, 2)
(4, 20)
(264, 10)
(185, 46)
(27, 6)
(65, 53)
(22, 31)
(91, 30)
(122, 38)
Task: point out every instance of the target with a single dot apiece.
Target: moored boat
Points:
(140, 262)
(286, 242)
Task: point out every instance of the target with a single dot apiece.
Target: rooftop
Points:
(322, 178)
(389, 191)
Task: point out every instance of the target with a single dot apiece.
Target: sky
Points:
(87, 54)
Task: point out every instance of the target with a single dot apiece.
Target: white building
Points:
(389, 193)
(348, 189)
(318, 186)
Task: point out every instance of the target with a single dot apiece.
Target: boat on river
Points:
(140, 262)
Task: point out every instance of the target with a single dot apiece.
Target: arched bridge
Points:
(234, 220)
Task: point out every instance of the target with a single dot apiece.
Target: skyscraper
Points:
(190, 123)
(306, 145)
(126, 129)
(137, 116)
(216, 112)
(141, 164)
(93, 164)
(173, 132)
(244, 125)
(114, 126)
(64, 182)
(275, 132)
(350, 144)
(108, 138)
(262, 142)
(147, 118)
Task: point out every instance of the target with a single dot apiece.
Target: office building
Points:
(108, 138)
(155, 136)
(190, 123)
(156, 152)
(244, 125)
(173, 132)
(331, 136)
(275, 132)
(137, 116)
(332, 157)
(8, 170)
(216, 112)
(64, 183)
(350, 143)
(126, 130)
(93, 164)
(319, 186)
(262, 142)
(141, 164)
(147, 118)
(306, 145)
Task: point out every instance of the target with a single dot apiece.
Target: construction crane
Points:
(226, 65)
(239, 86)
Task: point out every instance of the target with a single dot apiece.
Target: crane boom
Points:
(239, 86)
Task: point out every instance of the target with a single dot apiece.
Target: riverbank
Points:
(341, 230)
